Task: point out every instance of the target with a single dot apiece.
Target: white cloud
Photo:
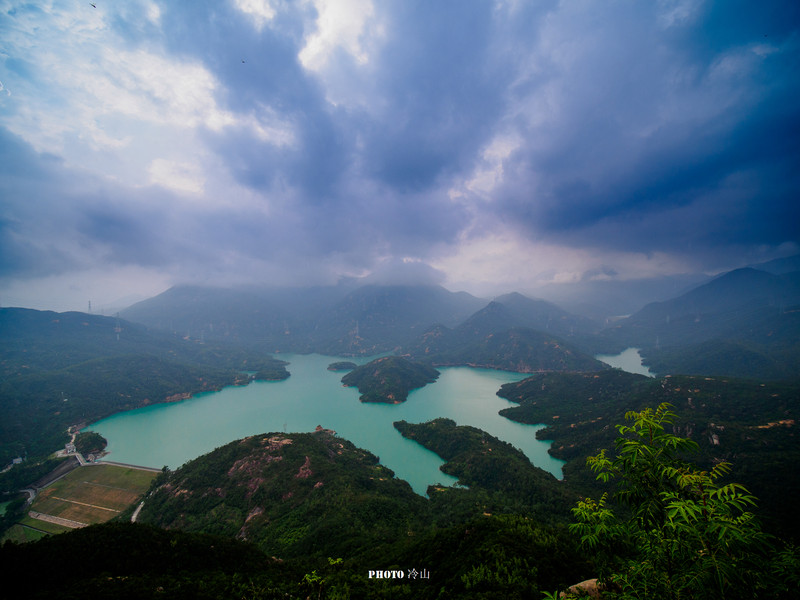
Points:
(86, 74)
(489, 172)
(179, 176)
(672, 13)
(261, 11)
(503, 261)
(153, 13)
(151, 87)
(340, 25)
(270, 127)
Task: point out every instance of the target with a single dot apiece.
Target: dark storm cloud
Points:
(654, 120)
(648, 119)
(206, 137)
(441, 94)
(28, 182)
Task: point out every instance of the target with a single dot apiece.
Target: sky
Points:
(487, 146)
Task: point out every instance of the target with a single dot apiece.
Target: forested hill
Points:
(34, 341)
(751, 424)
(294, 516)
(389, 379)
(306, 497)
(303, 494)
(518, 349)
(481, 461)
(63, 369)
(745, 323)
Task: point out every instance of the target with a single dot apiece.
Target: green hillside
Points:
(310, 515)
(519, 349)
(65, 369)
(296, 495)
(744, 323)
(751, 424)
(389, 379)
(305, 498)
(483, 463)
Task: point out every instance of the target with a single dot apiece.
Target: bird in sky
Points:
(93, 4)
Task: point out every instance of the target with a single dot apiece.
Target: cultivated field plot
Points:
(93, 494)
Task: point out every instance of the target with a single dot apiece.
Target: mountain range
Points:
(744, 323)
(741, 323)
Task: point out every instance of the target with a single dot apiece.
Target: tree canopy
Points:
(676, 531)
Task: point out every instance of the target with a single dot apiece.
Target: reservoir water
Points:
(171, 434)
(628, 360)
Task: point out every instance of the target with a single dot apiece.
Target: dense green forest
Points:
(389, 379)
(483, 463)
(65, 369)
(516, 349)
(309, 497)
(751, 424)
(124, 560)
(310, 515)
(89, 442)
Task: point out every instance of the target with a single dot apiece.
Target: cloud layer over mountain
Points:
(486, 145)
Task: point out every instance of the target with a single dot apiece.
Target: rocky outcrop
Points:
(585, 589)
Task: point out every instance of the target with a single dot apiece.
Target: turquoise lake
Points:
(171, 434)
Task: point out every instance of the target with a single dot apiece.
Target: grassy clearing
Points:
(92, 494)
(19, 534)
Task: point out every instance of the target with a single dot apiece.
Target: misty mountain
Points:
(609, 299)
(515, 310)
(375, 319)
(744, 323)
(750, 310)
(330, 320)
(216, 313)
(724, 307)
(512, 332)
(780, 266)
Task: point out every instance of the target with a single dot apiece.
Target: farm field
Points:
(90, 494)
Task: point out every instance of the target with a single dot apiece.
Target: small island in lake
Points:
(271, 369)
(389, 379)
(344, 365)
